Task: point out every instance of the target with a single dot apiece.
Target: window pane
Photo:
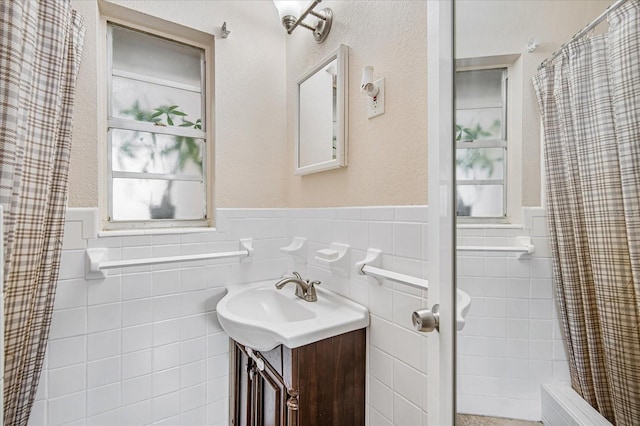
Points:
(479, 163)
(155, 57)
(479, 88)
(155, 176)
(145, 199)
(144, 152)
(479, 104)
(480, 123)
(480, 200)
(138, 100)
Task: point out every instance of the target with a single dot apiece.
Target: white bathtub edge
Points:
(562, 406)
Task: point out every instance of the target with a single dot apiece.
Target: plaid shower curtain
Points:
(40, 48)
(590, 105)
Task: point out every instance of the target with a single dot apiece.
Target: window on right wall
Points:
(481, 144)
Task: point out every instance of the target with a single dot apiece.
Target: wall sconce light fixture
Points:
(290, 9)
(374, 90)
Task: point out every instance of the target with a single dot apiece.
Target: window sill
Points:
(154, 231)
(489, 226)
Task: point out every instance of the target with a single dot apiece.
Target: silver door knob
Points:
(426, 320)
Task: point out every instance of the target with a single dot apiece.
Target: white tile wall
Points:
(144, 345)
(396, 368)
(511, 344)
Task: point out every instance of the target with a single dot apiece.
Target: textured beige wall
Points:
(501, 27)
(254, 109)
(250, 151)
(256, 70)
(387, 163)
(83, 170)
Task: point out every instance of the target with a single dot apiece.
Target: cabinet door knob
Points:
(292, 401)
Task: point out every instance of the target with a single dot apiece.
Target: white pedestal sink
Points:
(262, 317)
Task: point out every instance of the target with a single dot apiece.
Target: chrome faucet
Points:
(305, 289)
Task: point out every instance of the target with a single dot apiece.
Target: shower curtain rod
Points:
(583, 31)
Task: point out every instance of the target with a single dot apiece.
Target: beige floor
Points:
(471, 420)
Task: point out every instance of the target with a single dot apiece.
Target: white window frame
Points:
(490, 143)
(512, 128)
(124, 17)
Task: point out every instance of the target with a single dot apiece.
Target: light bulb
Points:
(367, 87)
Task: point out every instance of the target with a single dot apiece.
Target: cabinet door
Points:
(270, 397)
(242, 369)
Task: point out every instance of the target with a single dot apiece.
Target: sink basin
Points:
(463, 303)
(262, 317)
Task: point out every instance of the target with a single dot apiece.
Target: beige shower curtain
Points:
(590, 104)
(40, 47)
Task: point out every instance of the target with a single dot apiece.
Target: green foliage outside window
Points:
(186, 147)
(475, 159)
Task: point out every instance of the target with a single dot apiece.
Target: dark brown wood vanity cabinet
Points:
(319, 384)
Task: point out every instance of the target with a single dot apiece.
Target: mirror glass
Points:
(511, 345)
(321, 115)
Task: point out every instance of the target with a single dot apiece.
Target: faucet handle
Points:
(297, 275)
(310, 295)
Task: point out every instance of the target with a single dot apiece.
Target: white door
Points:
(441, 344)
